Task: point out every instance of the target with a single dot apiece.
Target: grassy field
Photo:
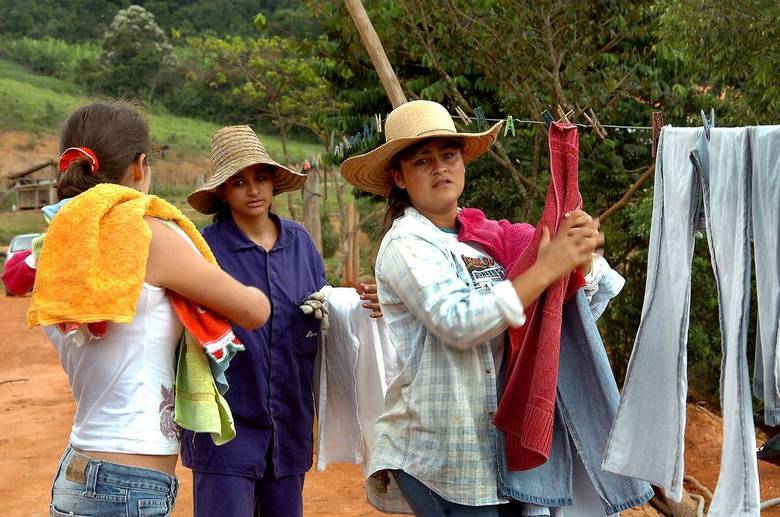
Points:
(31, 102)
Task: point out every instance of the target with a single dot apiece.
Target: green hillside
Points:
(37, 103)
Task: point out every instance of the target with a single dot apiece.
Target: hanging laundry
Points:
(693, 174)
(583, 366)
(354, 363)
(525, 412)
(765, 160)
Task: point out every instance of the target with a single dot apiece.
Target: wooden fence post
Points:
(311, 207)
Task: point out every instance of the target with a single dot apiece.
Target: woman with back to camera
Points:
(109, 260)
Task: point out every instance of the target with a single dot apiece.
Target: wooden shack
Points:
(35, 187)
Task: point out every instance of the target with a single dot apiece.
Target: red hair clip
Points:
(72, 154)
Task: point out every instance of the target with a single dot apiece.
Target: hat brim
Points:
(370, 171)
(205, 199)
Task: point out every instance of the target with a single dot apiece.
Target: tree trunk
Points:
(283, 138)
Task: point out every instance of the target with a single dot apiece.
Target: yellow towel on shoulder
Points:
(93, 261)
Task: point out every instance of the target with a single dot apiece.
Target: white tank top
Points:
(123, 383)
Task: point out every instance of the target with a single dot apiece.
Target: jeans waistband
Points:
(95, 471)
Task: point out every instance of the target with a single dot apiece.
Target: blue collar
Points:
(237, 240)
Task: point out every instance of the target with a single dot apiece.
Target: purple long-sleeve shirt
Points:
(270, 391)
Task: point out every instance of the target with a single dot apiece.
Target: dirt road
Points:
(36, 411)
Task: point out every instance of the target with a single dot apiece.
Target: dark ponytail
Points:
(223, 212)
(115, 131)
(397, 201)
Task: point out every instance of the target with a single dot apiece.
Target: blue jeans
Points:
(88, 487)
(585, 407)
(765, 158)
(647, 438)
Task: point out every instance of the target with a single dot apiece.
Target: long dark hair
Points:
(398, 199)
(115, 131)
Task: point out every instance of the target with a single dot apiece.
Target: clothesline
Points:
(518, 121)
(374, 126)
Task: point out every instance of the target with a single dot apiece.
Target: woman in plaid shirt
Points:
(447, 304)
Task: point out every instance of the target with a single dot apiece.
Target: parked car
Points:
(18, 244)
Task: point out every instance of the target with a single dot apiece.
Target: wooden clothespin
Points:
(563, 116)
(462, 114)
(509, 126)
(378, 119)
(595, 124)
(658, 123)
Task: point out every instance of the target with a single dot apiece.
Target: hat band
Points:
(434, 130)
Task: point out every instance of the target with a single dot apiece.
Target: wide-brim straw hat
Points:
(233, 149)
(406, 125)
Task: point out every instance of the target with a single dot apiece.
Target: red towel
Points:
(212, 331)
(525, 411)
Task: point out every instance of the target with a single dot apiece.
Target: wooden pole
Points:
(355, 247)
(311, 207)
(349, 276)
(376, 52)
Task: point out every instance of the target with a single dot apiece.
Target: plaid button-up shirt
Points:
(436, 425)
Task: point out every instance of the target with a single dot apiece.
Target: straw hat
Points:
(406, 125)
(233, 149)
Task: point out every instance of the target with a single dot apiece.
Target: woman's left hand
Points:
(594, 225)
(370, 298)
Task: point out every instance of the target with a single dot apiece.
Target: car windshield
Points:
(23, 242)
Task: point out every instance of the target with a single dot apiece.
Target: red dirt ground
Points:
(36, 411)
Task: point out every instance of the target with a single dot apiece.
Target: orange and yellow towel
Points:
(93, 262)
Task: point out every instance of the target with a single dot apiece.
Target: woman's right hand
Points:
(571, 248)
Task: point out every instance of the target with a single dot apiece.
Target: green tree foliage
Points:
(731, 50)
(136, 54)
(71, 21)
(83, 20)
(274, 78)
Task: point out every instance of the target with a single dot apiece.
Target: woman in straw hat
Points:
(261, 471)
(447, 305)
